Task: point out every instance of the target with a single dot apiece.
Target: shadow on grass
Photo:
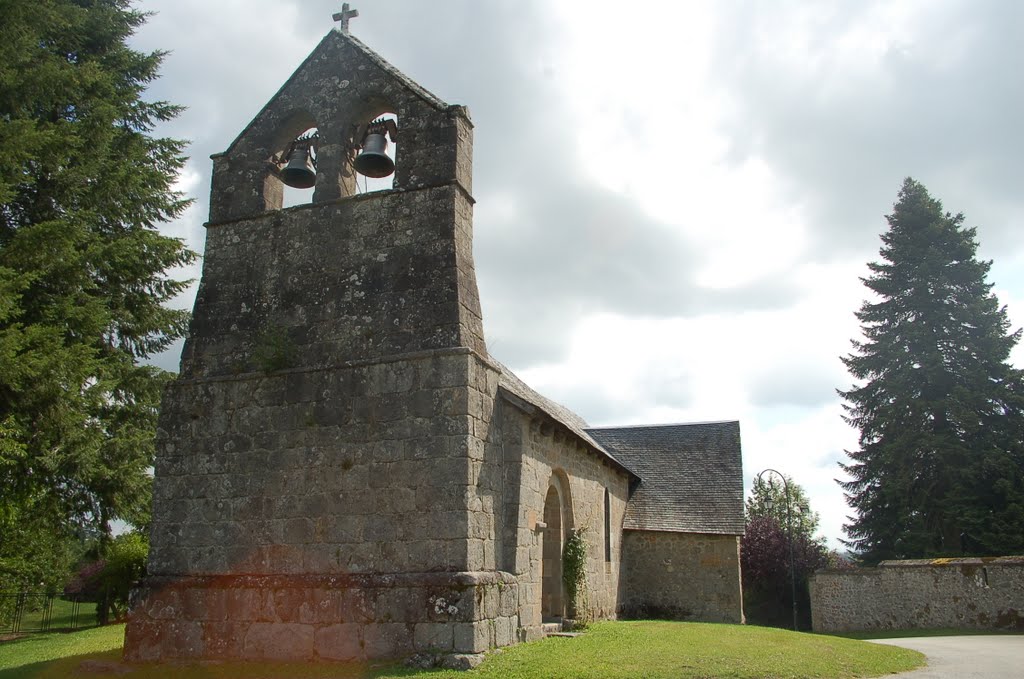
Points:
(109, 664)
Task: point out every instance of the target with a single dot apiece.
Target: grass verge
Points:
(608, 650)
(30, 654)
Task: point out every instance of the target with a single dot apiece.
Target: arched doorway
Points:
(551, 558)
(557, 519)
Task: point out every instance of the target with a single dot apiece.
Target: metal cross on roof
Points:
(344, 15)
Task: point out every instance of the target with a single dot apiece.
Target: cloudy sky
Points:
(675, 200)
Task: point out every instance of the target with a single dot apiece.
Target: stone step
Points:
(551, 628)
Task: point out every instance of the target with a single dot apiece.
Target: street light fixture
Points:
(769, 503)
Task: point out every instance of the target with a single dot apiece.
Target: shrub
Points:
(125, 564)
(574, 575)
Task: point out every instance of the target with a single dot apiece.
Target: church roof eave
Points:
(519, 394)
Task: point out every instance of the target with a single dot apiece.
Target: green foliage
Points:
(274, 350)
(125, 564)
(765, 554)
(768, 499)
(83, 281)
(940, 465)
(574, 575)
(36, 556)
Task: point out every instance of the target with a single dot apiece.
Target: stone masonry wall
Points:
(315, 491)
(340, 85)
(311, 617)
(538, 452)
(325, 284)
(276, 495)
(357, 469)
(930, 594)
(681, 576)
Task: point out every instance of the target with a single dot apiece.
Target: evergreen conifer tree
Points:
(83, 271)
(940, 467)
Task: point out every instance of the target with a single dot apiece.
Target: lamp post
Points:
(789, 531)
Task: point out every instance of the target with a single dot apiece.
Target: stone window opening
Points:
(386, 126)
(607, 526)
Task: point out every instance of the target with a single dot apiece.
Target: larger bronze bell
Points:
(373, 161)
(300, 172)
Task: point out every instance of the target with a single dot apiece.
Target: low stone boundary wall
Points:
(966, 593)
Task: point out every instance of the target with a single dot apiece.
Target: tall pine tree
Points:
(940, 469)
(83, 273)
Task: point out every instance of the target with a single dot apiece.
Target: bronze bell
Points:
(373, 160)
(300, 172)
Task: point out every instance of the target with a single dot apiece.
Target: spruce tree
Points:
(940, 467)
(84, 271)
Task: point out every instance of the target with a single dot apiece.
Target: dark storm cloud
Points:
(938, 106)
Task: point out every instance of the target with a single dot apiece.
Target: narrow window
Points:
(607, 526)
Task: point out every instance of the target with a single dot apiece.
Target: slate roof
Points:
(511, 384)
(691, 475)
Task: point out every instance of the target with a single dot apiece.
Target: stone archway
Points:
(557, 520)
(551, 558)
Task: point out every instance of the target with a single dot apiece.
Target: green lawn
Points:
(610, 649)
(31, 654)
(62, 616)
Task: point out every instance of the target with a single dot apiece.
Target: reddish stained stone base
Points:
(320, 617)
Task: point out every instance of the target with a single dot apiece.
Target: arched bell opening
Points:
(297, 168)
(374, 153)
(291, 168)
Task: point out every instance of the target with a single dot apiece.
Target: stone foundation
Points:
(312, 617)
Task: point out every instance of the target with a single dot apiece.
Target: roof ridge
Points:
(663, 426)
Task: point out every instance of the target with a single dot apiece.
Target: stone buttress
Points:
(318, 459)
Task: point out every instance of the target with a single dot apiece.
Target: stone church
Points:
(343, 470)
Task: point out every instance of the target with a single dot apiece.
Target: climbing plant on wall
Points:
(574, 575)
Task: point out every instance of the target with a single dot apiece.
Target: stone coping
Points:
(955, 561)
(927, 563)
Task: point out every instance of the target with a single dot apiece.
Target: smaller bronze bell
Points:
(373, 160)
(300, 172)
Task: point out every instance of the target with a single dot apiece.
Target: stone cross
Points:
(344, 16)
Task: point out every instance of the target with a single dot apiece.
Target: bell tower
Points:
(318, 458)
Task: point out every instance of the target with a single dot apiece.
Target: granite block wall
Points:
(358, 469)
(921, 594)
(325, 436)
(539, 452)
(312, 617)
(681, 576)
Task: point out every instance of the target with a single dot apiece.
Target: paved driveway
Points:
(970, 657)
